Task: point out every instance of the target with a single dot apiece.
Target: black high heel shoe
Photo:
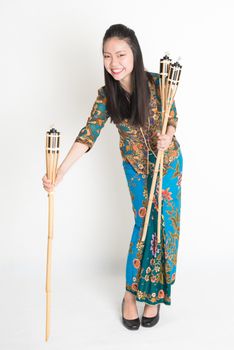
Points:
(130, 324)
(150, 321)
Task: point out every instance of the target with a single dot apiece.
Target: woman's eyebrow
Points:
(116, 51)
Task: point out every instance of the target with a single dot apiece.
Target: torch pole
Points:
(52, 153)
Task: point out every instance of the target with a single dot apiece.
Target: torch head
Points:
(53, 138)
(174, 73)
(164, 66)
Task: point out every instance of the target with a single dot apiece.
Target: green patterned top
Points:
(131, 142)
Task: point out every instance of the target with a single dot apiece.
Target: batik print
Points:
(151, 266)
(131, 142)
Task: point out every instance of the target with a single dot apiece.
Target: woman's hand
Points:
(164, 141)
(48, 186)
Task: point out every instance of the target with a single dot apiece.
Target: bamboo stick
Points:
(52, 153)
(173, 81)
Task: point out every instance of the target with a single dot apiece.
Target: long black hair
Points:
(121, 104)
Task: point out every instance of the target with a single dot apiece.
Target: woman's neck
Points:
(127, 85)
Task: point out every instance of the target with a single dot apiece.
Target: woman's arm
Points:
(76, 152)
(84, 141)
(96, 121)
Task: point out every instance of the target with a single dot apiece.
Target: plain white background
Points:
(50, 69)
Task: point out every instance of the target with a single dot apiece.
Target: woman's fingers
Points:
(48, 189)
(163, 141)
(162, 145)
(47, 185)
(45, 179)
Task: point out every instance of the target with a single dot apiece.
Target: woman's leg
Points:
(136, 183)
(171, 213)
(149, 276)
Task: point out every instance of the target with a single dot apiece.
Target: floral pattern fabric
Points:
(131, 142)
(151, 266)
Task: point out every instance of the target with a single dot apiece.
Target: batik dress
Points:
(150, 266)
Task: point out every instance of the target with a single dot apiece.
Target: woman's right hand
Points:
(48, 186)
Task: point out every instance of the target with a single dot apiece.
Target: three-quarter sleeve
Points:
(172, 118)
(97, 119)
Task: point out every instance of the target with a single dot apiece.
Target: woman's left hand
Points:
(163, 141)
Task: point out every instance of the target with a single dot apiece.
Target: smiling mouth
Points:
(116, 72)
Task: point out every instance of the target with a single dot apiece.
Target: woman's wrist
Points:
(170, 131)
(61, 171)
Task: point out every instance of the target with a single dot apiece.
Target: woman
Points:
(130, 99)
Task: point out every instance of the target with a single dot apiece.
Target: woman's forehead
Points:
(115, 45)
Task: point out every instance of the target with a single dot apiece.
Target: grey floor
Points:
(86, 310)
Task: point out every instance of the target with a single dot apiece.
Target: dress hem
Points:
(161, 301)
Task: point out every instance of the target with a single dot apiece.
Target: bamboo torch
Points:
(168, 88)
(52, 154)
(164, 69)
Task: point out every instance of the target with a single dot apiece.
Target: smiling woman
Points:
(125, 77)
(131, 100)
(119, 61)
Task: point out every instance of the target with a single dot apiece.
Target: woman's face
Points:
(118, 60)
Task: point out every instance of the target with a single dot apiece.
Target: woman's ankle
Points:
(129, 296)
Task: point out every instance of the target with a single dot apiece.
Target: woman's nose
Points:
(114, 63)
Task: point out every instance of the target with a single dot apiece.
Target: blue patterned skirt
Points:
(151, 270)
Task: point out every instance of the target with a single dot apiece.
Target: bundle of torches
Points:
(169, 80)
